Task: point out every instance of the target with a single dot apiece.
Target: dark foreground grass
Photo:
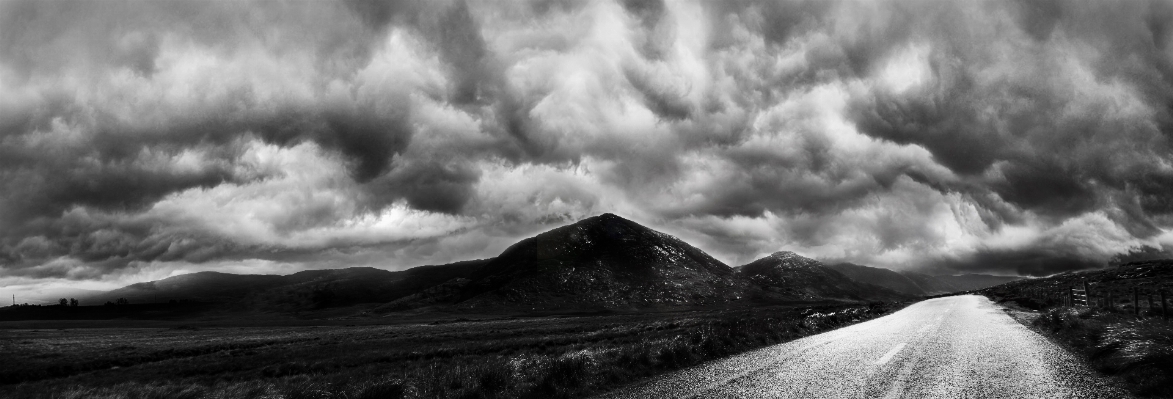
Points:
(1137, 352)
(524, 358)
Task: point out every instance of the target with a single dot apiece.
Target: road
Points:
(952, 347)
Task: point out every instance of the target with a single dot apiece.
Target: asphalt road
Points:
(953, 347)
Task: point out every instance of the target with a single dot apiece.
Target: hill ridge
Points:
(600, 262)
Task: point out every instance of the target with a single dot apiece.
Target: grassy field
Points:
(553, 356)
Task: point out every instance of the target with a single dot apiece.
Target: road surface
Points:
(953, 347)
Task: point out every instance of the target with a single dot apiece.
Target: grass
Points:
(547, 357)
(1138, 352)
(1127, 340)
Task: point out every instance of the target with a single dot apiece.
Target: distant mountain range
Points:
(918, 284)
(786, 275)
(310, 289)
(602, 262)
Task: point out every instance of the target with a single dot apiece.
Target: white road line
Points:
(888, 356)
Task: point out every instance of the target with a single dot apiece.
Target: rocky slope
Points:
(786, 275)
(604, 261)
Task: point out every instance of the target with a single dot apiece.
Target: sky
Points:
(140, 140)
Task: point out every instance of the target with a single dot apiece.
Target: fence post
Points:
(1087, 295)
(1150, 297)
(1135, 303)
(1164, 308)
(1108, 301)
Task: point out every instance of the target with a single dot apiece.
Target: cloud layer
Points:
(138, 139)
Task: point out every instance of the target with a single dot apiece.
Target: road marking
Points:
(888, 356)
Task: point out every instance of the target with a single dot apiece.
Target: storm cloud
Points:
(140, 139)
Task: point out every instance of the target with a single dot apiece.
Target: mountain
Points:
(970, 282)
(931, 284)
(313, 289)
(600, 262)
(786, 275)
(48, 296)
(201, 286)
(912, 283)
(882, 277)
(309, 289)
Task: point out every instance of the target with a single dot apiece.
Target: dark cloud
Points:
(1020, 126)
(367, 138)
(948, 124)
(1039, 17)
(430, 185)
(1028, 262)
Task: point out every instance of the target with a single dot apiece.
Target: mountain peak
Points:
(789, 275)
(788, 259)
(605, 219)
(602, 260)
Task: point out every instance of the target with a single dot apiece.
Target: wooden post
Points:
(1087, 295)
(1150, 303)
(1135, 303)
(1108, 301)
(1164, 307)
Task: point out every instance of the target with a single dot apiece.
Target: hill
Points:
(602, 262)
(912, 283)
(788, 276)
(310, 289)
(316, 289)
(1115, 283)
(201, 287)
(970, 282)
(882, 277)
